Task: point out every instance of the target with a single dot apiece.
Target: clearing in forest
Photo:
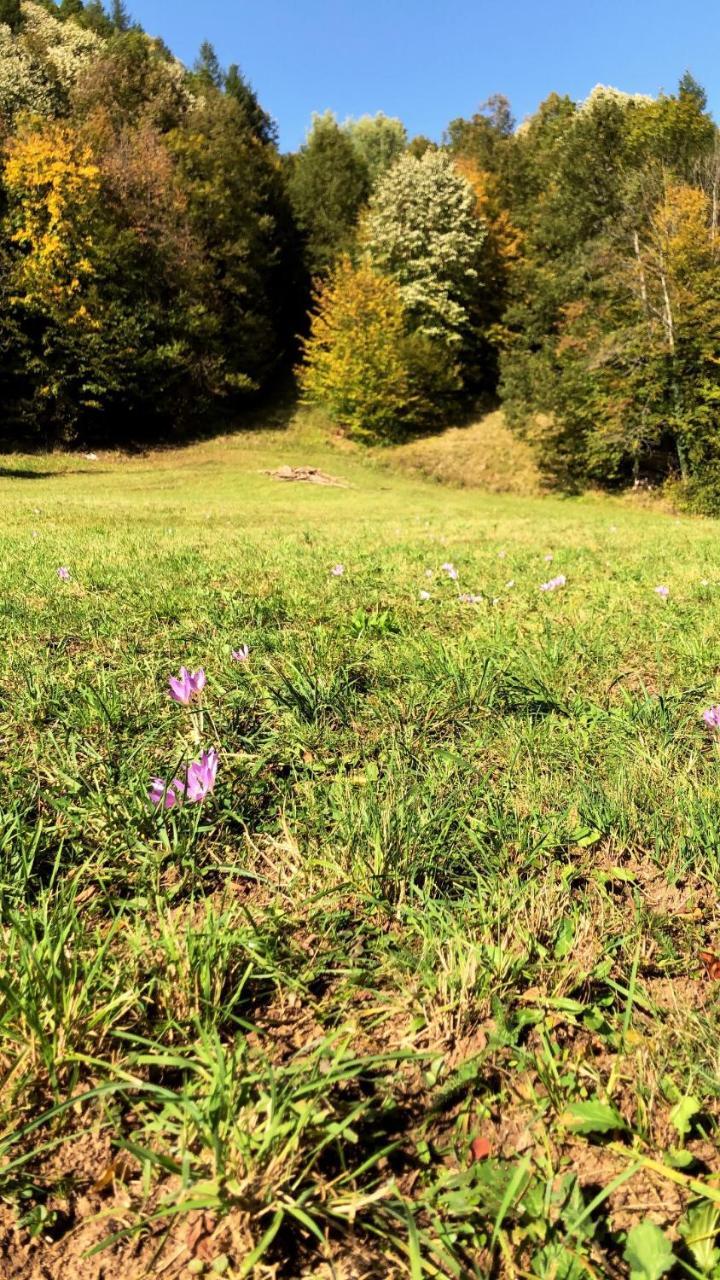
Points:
(409, 979)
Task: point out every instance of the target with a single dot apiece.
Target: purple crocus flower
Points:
(548, 558)
(337, 570)
(467, 598)
(450, 570)
(166, 793)
(712, 717)
(240, 655)
(186, 686)
(199, 782)
(559, 581)
(63, 574)
(201, 776)
(663, 592)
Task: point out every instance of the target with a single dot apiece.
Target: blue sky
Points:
(430, 60)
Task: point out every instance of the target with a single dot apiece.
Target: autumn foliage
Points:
(355, 357)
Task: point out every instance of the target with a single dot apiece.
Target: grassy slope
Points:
(485, 455)
(452, 883)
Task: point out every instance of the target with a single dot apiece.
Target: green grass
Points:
(451, 886)
(484, 455)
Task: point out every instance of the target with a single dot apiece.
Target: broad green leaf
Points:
(648, 1252)
(678, 1158)
(592, 1117)
(699, 1230)
(585, 837)
(682, 1113)
(565, 937)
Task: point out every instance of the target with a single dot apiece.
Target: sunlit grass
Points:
(452, 883)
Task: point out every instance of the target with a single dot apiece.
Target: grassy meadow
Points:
(417, 990)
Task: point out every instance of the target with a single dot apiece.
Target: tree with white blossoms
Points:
(40, 62)
(422, 229)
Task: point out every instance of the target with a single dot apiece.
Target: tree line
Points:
(161, 260)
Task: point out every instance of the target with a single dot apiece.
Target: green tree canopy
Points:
(379, 141)
(328, 184)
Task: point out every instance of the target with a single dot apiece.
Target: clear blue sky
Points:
(430, 60)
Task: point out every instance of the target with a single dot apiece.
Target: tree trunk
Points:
(641, 277)
(667, 308)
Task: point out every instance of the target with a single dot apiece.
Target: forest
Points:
(163, 265)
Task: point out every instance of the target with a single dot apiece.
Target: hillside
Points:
(485, 455)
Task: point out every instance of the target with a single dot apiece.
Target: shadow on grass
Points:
(21, 473)
(271, 410)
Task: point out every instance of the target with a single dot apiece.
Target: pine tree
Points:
(119, 16)
(207, 66)
(261, 123)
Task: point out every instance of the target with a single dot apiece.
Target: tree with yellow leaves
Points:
(355, 364)
(52, 189)
(365, 364)
(52, 186)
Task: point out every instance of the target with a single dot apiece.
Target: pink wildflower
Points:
(337, 570)
(712, 717)
(199, 782)
(63, 574)
(424, 595)
(201, 776)
(242, 654)
(186, 686)
(559, 581)
(663, 592)
(166, 793)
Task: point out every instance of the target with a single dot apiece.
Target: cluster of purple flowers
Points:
(551, 585)
(199, 782)
(200, 774)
